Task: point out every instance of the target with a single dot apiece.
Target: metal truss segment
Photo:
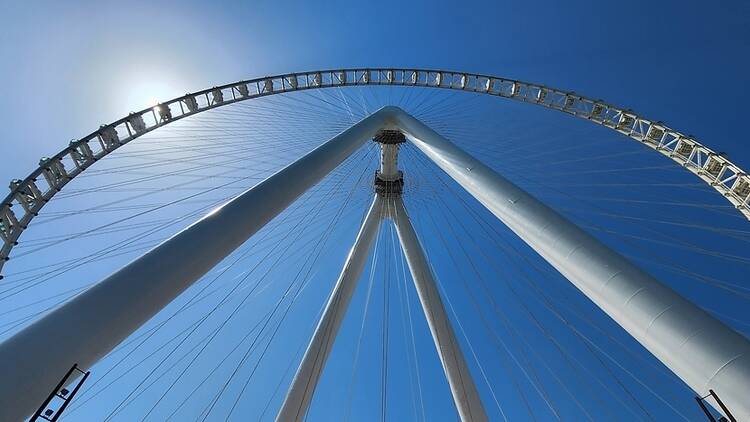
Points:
(81, 154)
(9, 227)
(54, 172)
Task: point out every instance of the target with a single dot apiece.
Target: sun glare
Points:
(147, 86)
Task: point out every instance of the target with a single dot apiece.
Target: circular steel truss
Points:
(28, 196)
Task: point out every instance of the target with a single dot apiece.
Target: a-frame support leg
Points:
(461, 383)
(306, 379)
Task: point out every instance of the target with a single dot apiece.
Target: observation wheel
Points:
(266, 241)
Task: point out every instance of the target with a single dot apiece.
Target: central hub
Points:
(389, 181)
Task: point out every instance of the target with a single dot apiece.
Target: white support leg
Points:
(88, 327)
(306, 379)
(461, 383)
(698, 348)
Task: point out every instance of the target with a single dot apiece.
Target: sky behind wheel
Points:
(70, 67)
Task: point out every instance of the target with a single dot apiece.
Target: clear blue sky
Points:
(68, 67)
(75, 65)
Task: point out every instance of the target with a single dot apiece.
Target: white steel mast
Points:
(698, 348)
(89, 326)
(306, 379)
(388, 187)
(463, 388)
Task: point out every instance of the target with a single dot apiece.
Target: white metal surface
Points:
(89, 326)
(305, 381)
(699, 349)
(461, 383)
(389, 162)
(28, 196)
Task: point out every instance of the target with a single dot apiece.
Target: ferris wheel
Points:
(170, 251)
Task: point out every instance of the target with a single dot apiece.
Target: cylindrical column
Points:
(305, 381)
(86, 328)
(461, 383)
(389, 162)
(698, 348)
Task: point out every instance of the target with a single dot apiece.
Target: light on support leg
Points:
(698, 348)
(87, 327)
(461, 382)
(389, 183)
(306, 379)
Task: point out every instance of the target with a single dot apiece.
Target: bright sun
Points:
(147, 85)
